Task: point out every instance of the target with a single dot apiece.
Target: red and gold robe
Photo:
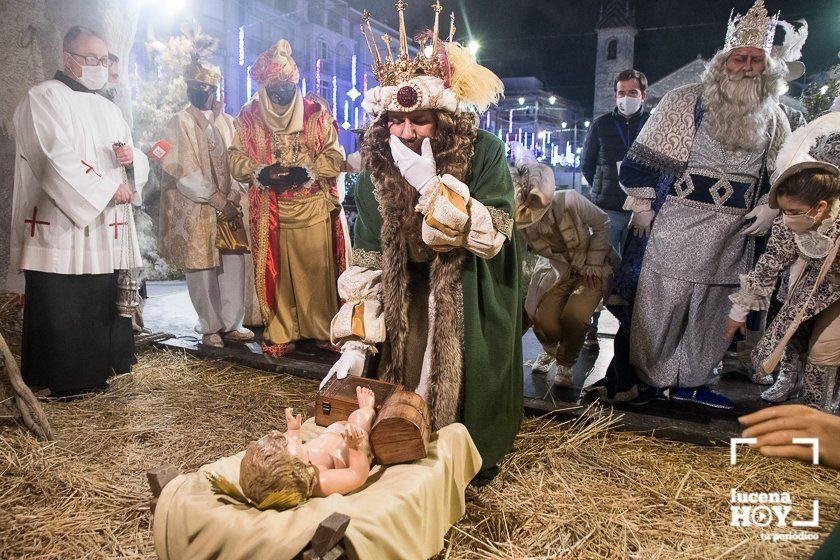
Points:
(297, 238)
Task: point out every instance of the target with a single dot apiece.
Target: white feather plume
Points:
(791, 48)
(805, 138)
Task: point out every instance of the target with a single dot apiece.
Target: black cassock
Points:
(73, 339)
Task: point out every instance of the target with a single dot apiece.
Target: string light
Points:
(303, 87)
(364, 83)
(346, 124)
(510, 122)
(334, 96)
(353, 93)
(318, 76)
(248, 80)
(355, 117)
(242, 46)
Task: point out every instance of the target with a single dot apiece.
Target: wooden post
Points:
(326, 543)
(158, 478)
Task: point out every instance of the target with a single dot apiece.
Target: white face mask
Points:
(799, 223)
(93, 77)
(628, 105)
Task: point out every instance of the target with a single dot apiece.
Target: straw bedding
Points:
(575, 490)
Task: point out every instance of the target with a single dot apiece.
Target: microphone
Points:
(159, 150)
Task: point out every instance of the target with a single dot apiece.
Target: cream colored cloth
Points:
(402, 511)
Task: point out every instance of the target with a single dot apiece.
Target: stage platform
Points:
(169, 310)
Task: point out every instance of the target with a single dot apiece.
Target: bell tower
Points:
(616, 31)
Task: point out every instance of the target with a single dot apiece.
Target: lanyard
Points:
(621, 130)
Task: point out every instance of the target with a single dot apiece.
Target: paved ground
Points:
(169, 309)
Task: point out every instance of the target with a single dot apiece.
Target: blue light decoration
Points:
(355, 117)
(303, 87)
(510, 122)
(248, 81)
(242, 45)
(499, 133)
(346, 124)
(318, 77)
(487, 120)
(353, 93)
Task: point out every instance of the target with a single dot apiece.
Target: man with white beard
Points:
(697, 180)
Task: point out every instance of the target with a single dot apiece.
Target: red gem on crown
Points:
(407, 96)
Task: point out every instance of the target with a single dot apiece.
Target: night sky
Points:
(555, 41)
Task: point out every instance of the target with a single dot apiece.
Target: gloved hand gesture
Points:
(352, 361)
(764, 216)
(641, 222)
(418, 169)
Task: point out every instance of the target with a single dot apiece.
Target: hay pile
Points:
(582, 491)
(575, 490)
(86, 496)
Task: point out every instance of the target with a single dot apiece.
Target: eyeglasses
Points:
(794, 212)
(94, 60)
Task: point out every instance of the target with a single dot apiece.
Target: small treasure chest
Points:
(401, 431)
(338, 399)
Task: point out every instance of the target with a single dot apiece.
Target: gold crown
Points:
(755, 29)
(197, 71)
(390, 70)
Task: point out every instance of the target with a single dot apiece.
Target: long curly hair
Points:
(452, 144)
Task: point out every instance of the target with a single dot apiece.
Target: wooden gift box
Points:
(400, 433)
(338, 399)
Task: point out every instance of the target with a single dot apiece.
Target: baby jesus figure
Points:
(279, 471)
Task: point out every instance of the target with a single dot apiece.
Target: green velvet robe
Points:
(491, 403)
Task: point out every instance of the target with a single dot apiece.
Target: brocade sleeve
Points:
(758, 285)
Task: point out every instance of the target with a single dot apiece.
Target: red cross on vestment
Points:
(116, 225)
(89, 168)
(34, 221)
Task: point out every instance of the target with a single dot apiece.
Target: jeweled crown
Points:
(754, 29)
(390, 70)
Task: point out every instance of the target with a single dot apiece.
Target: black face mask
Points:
(280, 96)
(199, 98)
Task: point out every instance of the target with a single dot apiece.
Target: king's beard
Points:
(738, 108)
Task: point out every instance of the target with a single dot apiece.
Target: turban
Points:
(275, 65)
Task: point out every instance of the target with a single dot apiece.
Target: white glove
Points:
(354, 162)
(764, 216)
(641, 222)
(418, 169)
(352, 361)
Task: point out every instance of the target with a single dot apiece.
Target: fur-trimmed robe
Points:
(476, 345)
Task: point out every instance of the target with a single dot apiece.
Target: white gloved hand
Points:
(764, 216)
(352, 361)
(641, 222)
(418, 169)
(354, 162)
